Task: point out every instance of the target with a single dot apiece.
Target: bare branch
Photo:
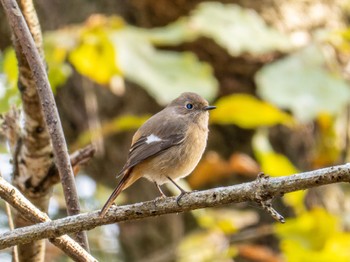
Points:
(31, 17)
(77, 158)
(12, 227)
(30, 144)
(9, 127)
(15, 257)
(266, 204)
(252, 191)
(21, 31)
(12, 196)
(72, 249)
(82, 156)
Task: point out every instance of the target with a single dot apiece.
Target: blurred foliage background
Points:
(278, 72)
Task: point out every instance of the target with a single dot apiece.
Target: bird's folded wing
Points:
(146, 147)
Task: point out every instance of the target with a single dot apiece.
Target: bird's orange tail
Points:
(121, 185)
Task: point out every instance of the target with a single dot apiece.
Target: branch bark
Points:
(48, 105)
(77, 158)
(260, 190)
(31, 148)
(33, 214)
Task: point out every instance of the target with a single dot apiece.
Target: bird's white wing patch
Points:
(152, 138)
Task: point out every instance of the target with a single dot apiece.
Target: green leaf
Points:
(3, 149)
(164, 74)
(247, 111)
(301, 83)
(236, 29)
(104, 49)
(173, 34)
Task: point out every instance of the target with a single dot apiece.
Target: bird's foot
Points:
(183, 192)
(161, 197)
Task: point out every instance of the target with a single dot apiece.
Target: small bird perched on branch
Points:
(168, 146)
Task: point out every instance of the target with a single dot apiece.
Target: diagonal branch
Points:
(49, 108)
(33, 214)
(30, 143)
(252, 191)
(77, 158)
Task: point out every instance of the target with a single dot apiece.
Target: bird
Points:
(168, 146)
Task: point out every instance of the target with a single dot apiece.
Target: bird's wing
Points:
(144, 147)
(141, 150)
(165, 135)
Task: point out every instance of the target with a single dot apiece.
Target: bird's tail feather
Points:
(121, 185)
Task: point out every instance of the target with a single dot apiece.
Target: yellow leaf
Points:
(95, 56)
(9, 94)
(314, 237)
(125, 123)
(225, 220)
(119, 124)
(58, 69)
(218, 220)
(275, 164)
(311, 229)
(339, 244)
(201, 246)
(327, 150)
(296, 200)
(247, 111)
(10, 66)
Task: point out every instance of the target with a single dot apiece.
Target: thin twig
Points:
(77, 158)
(266, 204)
(12, 196)
(21, 31)
(33, 23)
(274, 187)
(93, 121)
(83, 155)
(250, 234)
(12, 227)
(345, 147)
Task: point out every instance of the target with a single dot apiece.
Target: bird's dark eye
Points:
(189, 106)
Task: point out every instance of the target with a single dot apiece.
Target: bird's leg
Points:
(160, 190)
(183, 192)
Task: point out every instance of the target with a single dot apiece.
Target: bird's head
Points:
(191, 105)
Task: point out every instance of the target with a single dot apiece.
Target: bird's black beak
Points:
(206, 108)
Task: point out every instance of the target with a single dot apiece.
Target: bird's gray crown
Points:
(189, 102)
